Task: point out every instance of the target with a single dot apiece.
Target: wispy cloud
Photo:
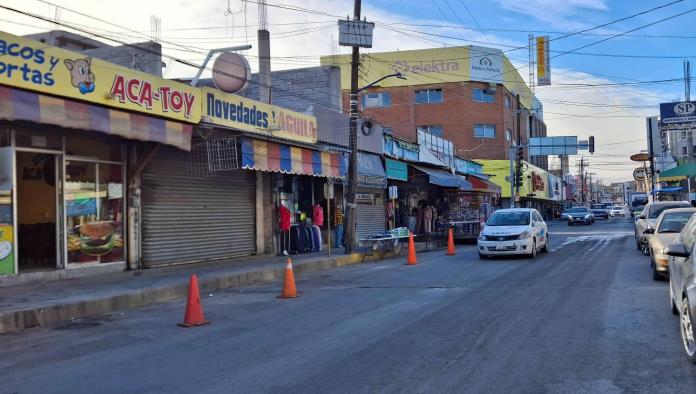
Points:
(568, 14)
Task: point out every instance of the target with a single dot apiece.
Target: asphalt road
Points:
(586, 317)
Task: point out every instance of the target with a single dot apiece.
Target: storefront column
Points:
(260, 215)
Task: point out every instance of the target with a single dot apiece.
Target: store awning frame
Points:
(276, 157)
(667, 190)
(371, 172)
(481, 184)
(445, 179)
(21, 105)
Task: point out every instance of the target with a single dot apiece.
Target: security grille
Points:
(212, 156)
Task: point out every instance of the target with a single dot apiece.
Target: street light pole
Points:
(353, 142)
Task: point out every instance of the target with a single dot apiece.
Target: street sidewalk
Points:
(48, 303)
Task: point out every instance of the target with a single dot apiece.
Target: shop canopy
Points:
(667, 190)
(481, 184)
(678, 173)
(270, 156)
(21, 105)
(396, 170)
(371, 171)
(445, 179)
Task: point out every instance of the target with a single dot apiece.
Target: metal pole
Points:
(512, 176)
(328, 219)
(353, 142)
(651, 154)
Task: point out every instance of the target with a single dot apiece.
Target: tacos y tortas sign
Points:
(33, 65)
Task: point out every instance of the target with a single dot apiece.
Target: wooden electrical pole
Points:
(353, 143)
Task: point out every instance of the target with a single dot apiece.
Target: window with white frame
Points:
(484, 131)
(376, 100)
(481, 96)
(508, 135)
(428, 96)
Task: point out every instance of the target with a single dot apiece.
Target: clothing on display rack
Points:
(284, 225)
(318, 215)
(428, 219)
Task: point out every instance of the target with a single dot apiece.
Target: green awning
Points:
(678, 173)
(396, 170)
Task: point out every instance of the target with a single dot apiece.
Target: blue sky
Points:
(613, 114)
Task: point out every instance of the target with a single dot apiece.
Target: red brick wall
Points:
(457, 115)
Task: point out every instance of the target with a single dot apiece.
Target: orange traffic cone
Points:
(411, 259)
(289, 289)
(450, 243)
(194, 310)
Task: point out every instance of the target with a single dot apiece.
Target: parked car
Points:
(580, 215)
(600, 212)
(565, 213)
(647, 217)
(667, 228)
(617, 210)
(515, 231)
(682, 281)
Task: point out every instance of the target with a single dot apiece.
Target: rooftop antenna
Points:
(155, 28)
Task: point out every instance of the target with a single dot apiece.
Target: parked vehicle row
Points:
(666, 232)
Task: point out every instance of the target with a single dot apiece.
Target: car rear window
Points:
(657, 210)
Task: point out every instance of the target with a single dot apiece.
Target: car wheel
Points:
(533, 253)
(672, 305)
(545, 249)
(644, 248)
(687, 331)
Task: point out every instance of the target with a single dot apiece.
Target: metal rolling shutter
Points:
(369, 220)
(187, 218)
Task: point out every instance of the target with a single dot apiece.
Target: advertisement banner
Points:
(6, 250)
(486, 64)
(244, 114)
(678, 113)
(542, 58)
(33, 65)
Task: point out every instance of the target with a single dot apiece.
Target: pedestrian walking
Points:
(338, 221)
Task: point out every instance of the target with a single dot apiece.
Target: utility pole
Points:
(582, 179)
(353, 142)
(589, 174)
(651, 157)
(518, 172)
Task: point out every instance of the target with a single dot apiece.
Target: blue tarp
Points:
(444, 178)
(667, 190)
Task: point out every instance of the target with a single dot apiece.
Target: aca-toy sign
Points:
(32, 65)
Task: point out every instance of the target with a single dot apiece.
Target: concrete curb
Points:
(49, 315)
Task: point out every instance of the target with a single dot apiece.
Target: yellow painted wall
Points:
(499, 169)
(425, 66)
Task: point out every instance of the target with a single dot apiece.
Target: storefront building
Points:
(68, 141)
(534, 192)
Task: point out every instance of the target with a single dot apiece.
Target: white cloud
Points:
(565, 14)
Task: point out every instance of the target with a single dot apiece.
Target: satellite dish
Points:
(231, 72)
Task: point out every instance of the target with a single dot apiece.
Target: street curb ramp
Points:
(54, 313)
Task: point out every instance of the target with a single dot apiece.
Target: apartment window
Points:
(376, 100)
(431, 129)
(684, 153)
(428, 96)
(481, 96)
(508, 135)
(507, 102)
(484, 131)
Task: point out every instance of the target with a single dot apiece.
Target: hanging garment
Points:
(295, 239)
(317, 234)
(389, 214)
(284, 218)
(428, 219)
(284, 242)
(419, 221)
(318, 215)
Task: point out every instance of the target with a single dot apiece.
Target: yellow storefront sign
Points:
(534, 179)
(33, 65)
(231, 110)
(435, 66)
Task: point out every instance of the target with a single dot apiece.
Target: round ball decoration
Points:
(231, 72)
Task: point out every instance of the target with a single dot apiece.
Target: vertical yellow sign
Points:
(542, 58)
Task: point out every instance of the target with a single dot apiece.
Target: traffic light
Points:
(518, 168)
(591, 144)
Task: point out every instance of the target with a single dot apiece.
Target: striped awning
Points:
(16, 104)
(271, 156)
(483, 185)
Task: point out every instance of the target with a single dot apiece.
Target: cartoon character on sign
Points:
(81, 75)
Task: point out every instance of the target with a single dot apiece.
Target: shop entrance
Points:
(37, 177)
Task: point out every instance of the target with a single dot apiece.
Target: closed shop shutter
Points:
(370, 219)
(188, 218)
